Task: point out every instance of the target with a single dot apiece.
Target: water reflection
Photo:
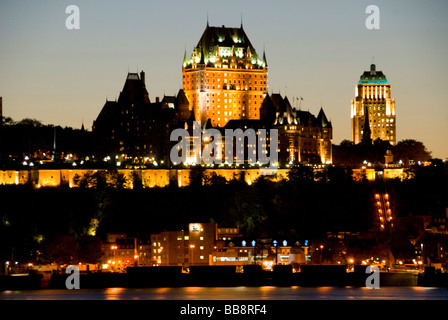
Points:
(234, 293)
(113, 293)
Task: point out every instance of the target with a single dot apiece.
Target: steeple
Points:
(53, 153)
(265, 62)
(185, 58)
(248, 52)
(366, 134)
(322, 119)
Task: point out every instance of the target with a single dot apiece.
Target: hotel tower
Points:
(225, 79)
(374, 107)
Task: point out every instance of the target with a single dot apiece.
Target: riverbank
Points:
(153, 277)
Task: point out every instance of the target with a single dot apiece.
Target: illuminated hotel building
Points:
(224, 79)
(185, 248)
(373, 104)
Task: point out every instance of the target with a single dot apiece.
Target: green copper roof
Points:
(373, 76)
(228, 43)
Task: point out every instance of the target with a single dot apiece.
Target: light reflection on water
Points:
(234, 293)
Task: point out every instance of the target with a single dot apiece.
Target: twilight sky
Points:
(315, 49)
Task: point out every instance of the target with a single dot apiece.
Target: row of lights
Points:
(383, 215)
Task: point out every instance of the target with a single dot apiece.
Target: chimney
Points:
(157, 99)
(142, 76)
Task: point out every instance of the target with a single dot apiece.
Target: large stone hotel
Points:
(225, 86)
(224, 78)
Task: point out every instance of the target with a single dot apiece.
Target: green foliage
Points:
(247, 211)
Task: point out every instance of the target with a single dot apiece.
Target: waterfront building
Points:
(184, 247)
(120, 252)
(169, 248)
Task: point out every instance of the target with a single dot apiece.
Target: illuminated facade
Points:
(373, 104)
(202, 240)
(303, 137)
(120, 252)
(224, 79)
(184, 248)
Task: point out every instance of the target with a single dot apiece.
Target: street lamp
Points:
(321, 254)
(114, 248)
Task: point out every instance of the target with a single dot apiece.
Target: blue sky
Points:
(315, 49)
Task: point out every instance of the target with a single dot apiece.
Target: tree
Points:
(90, 249)
(63, 249)
(30, 122)
(137, 182)
(410, 149)
(346, 143)
(301, 174)
(248, 212)
(215, 180)
(7, 121)
(197, 175)
(117, 180)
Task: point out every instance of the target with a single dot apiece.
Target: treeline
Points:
(352, 155)
(31, 138)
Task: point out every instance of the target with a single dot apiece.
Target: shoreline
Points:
(151, 277)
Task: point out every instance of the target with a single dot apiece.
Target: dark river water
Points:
(234, 293)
